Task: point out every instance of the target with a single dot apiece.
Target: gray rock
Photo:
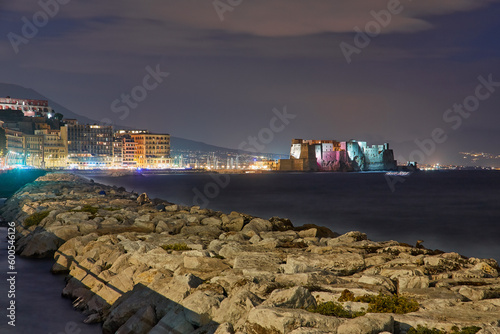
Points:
(40, 244)
(225, 328)
(143, 199)
(379, 281)
(257, 225)
(200, 306)
(348, 238)
(140, 323)
(318, 231)
(209, 232)
(64, 232)
(236, 307)
(257, 261)
(235, 224)
(278, 320)
(372, 323)
(413, 282)
(204, 264)
(297, 297)
(212, 221)
(340, 264)
(173, 322)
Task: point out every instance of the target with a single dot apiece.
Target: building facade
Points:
(129, 148)
(15, 148)
(55, 149)
(152, 150)
(29, 107)
(117, 152)
(44, 149)
(89, 146)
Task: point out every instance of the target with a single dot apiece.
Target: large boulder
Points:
(200, 307)
(372, 323)
(143, 199)
(378, 280)
(253, 261)
(235, 224)
(208, 231)
(157, 258)
(297, 297)
(140, 323)
(280, 321)
(256, 226)
(339, 264)
(174, 321)
(39, 244)
(312, 230)
(64, 232)
(236, 307)
(71, 217)
(348, 238)
(171, 227)
(413, 282)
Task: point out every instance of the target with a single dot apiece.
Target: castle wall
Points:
(302, 165)
(379, 157)
(334, 161)
(330, 155)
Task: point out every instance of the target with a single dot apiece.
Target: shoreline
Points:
(137, 262)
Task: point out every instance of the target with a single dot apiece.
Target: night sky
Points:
(226, 76)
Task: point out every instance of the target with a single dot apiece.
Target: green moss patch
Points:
(335, 310)
(382, 303)
(36, 218)
(87, 208)
(455, 330)
(176, 247)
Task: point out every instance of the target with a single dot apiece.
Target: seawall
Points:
(148, 266)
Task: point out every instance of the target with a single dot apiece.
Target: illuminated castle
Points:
(331, 155)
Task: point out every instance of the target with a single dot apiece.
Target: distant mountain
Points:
(177, 144)
(181, 144)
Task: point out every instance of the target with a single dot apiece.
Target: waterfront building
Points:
(152, 150)
(129, 148)
(264, 164)
(117, 152)
(55, 149)
(29, 107)
(89, 146)
(33, 148)
(43, 149)
(15, 148)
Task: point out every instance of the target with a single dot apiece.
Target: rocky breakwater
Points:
(148, 266)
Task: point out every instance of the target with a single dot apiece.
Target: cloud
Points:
(275, 18)
(258, 28)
